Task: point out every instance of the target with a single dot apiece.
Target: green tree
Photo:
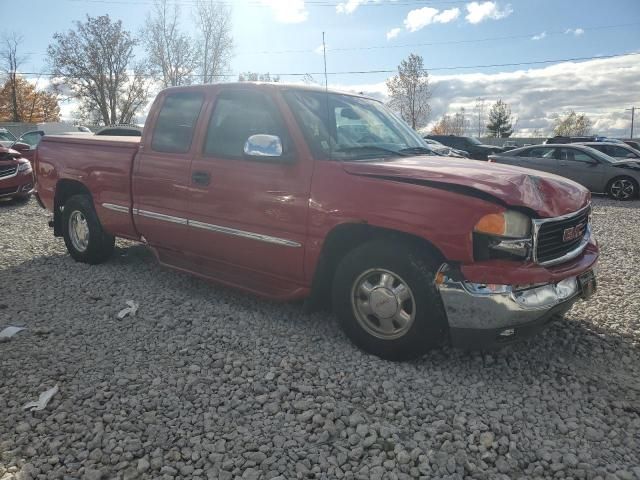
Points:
(499, 125)
(410, 91)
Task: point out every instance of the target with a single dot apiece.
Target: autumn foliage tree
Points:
(31, 105)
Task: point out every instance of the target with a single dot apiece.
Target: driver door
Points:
(248, 212)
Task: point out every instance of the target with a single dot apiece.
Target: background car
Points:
(123, 130)
(632, 143)
(16, 175)
(582, 139)
(620, 151)
(27, 143)
(598, 172)
(444, 150)
(476, 149)
(6, 138)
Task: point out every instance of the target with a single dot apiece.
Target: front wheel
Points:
(84, 237)
(622, 188)
(386, 300)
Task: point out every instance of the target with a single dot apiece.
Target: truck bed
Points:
(102, 164)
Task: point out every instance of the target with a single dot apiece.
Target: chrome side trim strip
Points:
(116, 208)
(161, 216)
(241, 233)
(217, 228)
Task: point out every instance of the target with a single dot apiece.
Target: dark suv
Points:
(475, 147)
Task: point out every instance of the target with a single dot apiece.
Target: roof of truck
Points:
(267, 86)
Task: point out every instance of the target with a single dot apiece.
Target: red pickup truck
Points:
(292, 193)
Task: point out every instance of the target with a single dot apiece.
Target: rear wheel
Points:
(386, 301)
(84, 237)
(622, 188)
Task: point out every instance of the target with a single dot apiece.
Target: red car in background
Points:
(16, 175)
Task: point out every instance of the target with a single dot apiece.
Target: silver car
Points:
(619, 151)
(598, 172)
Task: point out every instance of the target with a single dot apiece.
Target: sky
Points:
(458, 40)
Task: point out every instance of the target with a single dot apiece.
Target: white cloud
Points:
(393, 33)
(351, 6)
(447, 16)
(575, 31)
(287, 11)
(421, 17)
(540, 36)
(598, 88)
(478, 12)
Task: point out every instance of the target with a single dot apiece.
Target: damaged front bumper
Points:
(482, 315)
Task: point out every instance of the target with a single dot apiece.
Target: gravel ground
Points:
(206, 382)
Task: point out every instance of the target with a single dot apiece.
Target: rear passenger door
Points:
(162, 173)
(581, 167)
(541, 158)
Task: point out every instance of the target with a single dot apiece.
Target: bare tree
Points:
(10, 61)
(215, 41)
(481, 115)
(172, 56)
(571, 123)
(93, 61)
(410, 91)
(455, 124)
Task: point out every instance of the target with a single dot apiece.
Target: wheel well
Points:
(65, 189)
(343, 239)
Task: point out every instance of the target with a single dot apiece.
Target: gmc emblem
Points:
(573, 233)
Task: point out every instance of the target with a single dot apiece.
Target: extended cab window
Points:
(176, 122)
(238, 115)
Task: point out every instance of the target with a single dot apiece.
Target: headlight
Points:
(24, 167)
(510, 224)
(505, 235)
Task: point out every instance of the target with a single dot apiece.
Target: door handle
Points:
(201, 178)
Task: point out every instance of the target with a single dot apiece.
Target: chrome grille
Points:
(8, 171)
(560, 239)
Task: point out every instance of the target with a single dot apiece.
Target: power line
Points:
(413, 45)
(320, 3)
(364, 72)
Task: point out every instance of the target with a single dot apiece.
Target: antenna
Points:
(326, 94)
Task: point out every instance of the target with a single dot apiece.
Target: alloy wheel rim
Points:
(622, 189)
(79, 231)
(383, 304)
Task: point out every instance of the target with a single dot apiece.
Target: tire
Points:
(622, 188)
(419, 323)
(90, 243)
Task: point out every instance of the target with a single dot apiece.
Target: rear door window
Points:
(575, 155)
(539, 152)
(176, 122)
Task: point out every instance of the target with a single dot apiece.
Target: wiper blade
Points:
(372, 148)
(418, 150)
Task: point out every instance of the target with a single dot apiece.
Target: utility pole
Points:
(633, 114)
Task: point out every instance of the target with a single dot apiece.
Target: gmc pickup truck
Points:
(294, 193)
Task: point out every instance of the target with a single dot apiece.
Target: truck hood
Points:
(547, 194)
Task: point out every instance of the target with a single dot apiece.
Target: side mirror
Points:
(262, 145)
(21, 147)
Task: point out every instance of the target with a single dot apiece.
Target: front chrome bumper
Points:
(481, 315)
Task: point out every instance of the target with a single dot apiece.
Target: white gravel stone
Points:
(207, 382)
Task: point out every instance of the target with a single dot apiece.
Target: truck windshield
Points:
(346, 127)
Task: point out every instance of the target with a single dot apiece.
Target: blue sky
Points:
(543, 30)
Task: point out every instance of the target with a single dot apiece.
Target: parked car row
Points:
(609, 168)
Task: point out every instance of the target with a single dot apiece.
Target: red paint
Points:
(301, 201)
